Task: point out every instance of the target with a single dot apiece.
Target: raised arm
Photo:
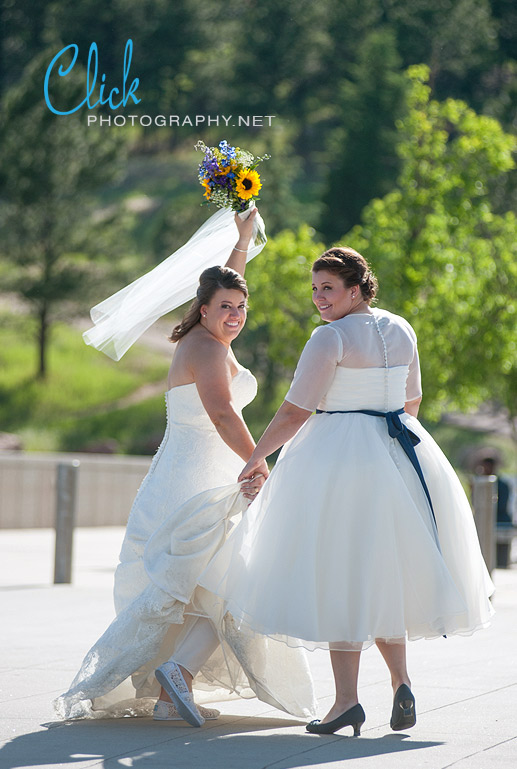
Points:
(237, 259)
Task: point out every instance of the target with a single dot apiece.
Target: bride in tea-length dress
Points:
(362, 533)
(341, 544)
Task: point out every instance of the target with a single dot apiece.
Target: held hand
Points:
(255, 466)
(254, 479)
(245, 228)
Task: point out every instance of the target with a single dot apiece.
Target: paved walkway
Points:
(466, 688)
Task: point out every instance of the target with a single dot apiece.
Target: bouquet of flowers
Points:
(229, 177)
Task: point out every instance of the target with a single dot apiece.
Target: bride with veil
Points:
(165, 628)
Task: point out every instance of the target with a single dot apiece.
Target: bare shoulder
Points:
(204, 351)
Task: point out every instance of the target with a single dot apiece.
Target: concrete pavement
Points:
(466, 688)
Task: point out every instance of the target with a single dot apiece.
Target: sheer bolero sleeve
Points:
(316, 368)
(414, 381)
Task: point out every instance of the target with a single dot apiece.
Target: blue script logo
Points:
(91, 80)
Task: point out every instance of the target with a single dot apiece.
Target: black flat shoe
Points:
(403, 715)
(353, 717)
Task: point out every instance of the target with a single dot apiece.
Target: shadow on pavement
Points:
(232, 743)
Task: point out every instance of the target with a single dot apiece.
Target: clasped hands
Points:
(254, 476)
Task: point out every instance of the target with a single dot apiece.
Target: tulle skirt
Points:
(340, 547)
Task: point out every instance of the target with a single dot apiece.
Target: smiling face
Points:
(225, 314)
(332, 298)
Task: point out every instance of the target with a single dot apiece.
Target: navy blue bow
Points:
(407, 439)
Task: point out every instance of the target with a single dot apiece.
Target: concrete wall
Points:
(106, 488)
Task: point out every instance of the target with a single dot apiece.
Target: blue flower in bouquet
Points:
(227, 151)
(228, 175)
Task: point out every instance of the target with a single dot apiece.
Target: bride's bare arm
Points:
(284, 425)
(314, 374)
(237, 259)
(411, 407)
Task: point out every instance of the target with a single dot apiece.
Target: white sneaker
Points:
(169, 676)
(166, 711)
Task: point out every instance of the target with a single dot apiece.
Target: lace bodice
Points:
(364, 360)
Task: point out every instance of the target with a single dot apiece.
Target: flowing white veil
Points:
(123, 317)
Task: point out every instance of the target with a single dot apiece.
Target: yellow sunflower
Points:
(226, 169)
(207, 191)
(248, 184)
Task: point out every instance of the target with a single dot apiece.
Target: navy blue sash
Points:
(407, 439)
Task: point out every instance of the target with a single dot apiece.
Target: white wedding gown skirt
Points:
(339, 548)
(177, 522)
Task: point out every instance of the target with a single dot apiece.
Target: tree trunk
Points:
(42, 340)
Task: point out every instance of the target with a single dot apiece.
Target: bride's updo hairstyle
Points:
(210, 281)
(351, 267)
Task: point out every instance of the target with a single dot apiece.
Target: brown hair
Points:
(351, 267)
(210, 281)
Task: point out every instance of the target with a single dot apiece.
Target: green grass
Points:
(137, 429)
(47, 414)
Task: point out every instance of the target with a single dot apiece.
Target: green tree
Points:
(22, 35)
(163, 35)
(54, 242)
(456, 38)
(444, 259)
(363, 162)
(281, 317)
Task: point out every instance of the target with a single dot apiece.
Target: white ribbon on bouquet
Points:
(122, 318)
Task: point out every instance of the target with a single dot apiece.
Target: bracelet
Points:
(243, 251)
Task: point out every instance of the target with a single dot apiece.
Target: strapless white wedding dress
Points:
(191, 458)
(177, 522)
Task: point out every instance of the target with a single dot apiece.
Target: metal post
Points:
(65, 520)
(484, 501)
